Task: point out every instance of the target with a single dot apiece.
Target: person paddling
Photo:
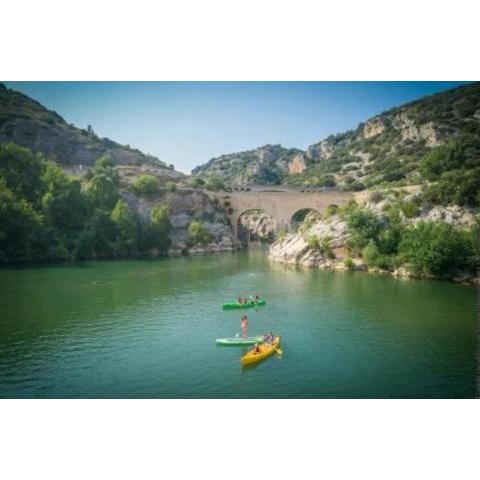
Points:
(244, 325)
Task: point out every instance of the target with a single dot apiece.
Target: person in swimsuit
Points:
(244, 325)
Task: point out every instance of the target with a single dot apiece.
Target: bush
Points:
(282, 234)
(455, 187)
(196, 182)
(313, 242)
(146, 185)
(322, 246)
(409, 209)
(214, 184)
(171, 187)
(437, 249)
(363, 226)
(330, 211)
(198, 234)
(160, 228)
(442, 159)
(349, 263)
(376, 197)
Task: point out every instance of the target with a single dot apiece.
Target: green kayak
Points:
(251, 304)
(239, 341)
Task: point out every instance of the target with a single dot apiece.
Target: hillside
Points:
(266, 165)
(388, 149)
(29, 124)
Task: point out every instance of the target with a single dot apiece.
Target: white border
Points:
(239, 40)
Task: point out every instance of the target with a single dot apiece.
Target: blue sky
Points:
(187, 123)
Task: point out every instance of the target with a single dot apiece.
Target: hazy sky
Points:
(187, 123)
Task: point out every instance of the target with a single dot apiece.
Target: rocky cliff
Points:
(186, 205)
(384, 150)
(326, 242)
(266, 165)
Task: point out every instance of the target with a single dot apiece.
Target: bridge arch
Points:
(300, 215)
(281, 205)
(256, 224)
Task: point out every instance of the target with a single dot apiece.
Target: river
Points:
(147, 329)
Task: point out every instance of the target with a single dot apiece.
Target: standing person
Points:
(244, 325)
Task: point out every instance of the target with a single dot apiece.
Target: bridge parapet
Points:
(243, 188)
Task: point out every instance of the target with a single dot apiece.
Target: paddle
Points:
(278, 351)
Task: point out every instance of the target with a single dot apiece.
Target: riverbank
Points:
(389, 234)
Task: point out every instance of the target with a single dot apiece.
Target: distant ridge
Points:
(384, 150)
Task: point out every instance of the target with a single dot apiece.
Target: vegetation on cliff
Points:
(392, 232)
(48, 215)
(433, 141)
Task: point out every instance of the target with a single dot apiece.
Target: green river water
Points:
(147, 329)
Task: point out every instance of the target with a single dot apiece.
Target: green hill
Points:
(29, 124)
(434, 139)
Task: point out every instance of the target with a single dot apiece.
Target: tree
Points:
(196, 182)
(198, 234)
(363, 226)
(22, 170)
(442, 159)
(214, 183)
(126, 227)
(103, 191)
(21, 227)
(160, 228)
(146, 185)
(437, 249)
(64, 206)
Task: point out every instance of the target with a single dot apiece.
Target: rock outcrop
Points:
(373, 127)
(297, 165)
(185, 206)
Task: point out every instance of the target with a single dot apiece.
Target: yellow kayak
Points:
(265, 351)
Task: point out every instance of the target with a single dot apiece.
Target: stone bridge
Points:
(281, 205)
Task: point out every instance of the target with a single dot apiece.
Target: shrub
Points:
(282, 234)
(376, 197)
(196, 182)
(442, 159)
(146, 185)
(437, 249)
(363, 226)
(313, 242)
(409, 209)
(370, 254)
(171, 187)
(330, 211)
(160, 228)
(198, 234)
(214, 184)
(349, 263)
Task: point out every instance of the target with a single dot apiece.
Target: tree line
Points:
(48, 215)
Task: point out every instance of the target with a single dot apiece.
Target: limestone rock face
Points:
(294, 247)
(373, 127)
(184, 207)
(297, 165)
(414, 132)
(455, 215)
(320, 151)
